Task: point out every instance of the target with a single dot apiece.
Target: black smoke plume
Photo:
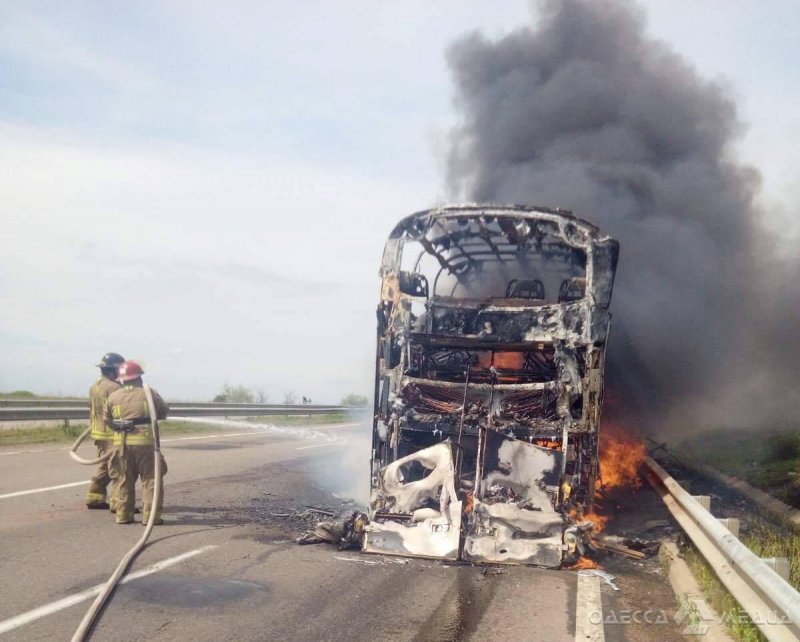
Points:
(586, 112)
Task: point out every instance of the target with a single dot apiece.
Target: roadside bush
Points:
(234, 394)
(783, 446)
(354, 400)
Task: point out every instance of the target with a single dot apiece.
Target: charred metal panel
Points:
(492, 331)
(514, 519)
(415, 510)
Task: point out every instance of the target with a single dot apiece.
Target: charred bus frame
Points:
(492, 329)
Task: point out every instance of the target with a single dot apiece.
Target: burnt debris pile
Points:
(345, 531)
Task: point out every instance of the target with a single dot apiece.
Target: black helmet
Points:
(110, 360)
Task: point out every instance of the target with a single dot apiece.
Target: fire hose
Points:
(91, 615)
(86, 462)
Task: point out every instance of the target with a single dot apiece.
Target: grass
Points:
(767, 460)
(765, 540)
(51, 434)
(48, 434)
(739, 624)
(44, 434)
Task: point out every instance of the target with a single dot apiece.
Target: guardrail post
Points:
(778, 564)
(704, 501)
(731, 523)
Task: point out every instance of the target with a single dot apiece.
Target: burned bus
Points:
(492, 329)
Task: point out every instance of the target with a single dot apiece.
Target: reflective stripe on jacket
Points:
(130, 402)
(98, 395)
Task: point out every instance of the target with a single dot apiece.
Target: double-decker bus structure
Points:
(492, 329)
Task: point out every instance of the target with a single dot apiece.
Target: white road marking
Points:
(42, 490)
(333, 443)
(59, 605)
(589, 610)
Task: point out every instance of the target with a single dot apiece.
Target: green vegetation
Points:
(53, 432)
(27, 394)
(18, 394)
(739, 625)
(50, 434)
(767, 460)
(765, 540)
(235, 394)
(40, 434)
(355, 401)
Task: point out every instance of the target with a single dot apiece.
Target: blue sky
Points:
(206, 186)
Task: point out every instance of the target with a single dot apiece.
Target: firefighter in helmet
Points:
(128, 415)
(103, 437)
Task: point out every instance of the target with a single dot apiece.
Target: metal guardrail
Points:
(79, 410)
(771, 602)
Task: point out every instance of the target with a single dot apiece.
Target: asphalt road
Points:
(225, 566)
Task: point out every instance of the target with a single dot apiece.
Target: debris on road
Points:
(606, 577)
(359, 560)
(653, 524)
(321, 511)
(346, 532)
(492, 571)
(634, 548)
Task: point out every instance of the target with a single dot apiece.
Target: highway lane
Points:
(246, 579)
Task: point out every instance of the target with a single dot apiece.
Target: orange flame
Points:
(598, 520)
(583, 562)
(621, 454)
(469, 503)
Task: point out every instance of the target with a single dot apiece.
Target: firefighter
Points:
(128, 415)
(103, 437)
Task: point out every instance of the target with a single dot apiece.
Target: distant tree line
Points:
(18, 394)
(243, 394)
(236, 394)
(354, 400)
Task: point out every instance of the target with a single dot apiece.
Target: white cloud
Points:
(208, 186)
(258, 271)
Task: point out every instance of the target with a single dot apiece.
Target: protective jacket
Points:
(130, 403)
(98, 395)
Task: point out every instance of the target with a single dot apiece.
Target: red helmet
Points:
(129, 371)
